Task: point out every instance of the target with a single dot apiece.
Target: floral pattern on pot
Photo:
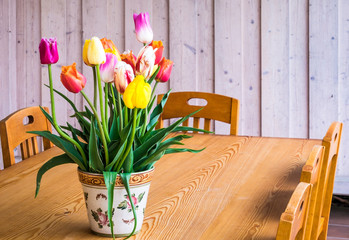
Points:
(126, 204)
(101, 218)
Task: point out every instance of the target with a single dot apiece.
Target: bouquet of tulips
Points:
(120, 137)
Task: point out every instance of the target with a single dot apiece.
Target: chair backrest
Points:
(292, 221)
(13, 132)
(311, 174)
(331, 142)
(218, 107)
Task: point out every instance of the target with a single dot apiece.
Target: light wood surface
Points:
(286, 61)
(236, 188)
(214, 107)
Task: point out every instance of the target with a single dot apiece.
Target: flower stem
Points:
(104, 142)
(130, 142)
(58, 129)
(101, 104)
(94, 87)
(144, 127)
(120, 110)
(106, 94)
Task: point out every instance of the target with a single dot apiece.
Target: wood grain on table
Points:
(236, 188)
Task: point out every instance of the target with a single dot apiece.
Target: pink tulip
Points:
(145, 61)
(144, 33)
(123, 75)
(165, 70)
(48, 51)
(72, 80)
(107, 68)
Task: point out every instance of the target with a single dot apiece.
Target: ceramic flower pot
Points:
(96, 199)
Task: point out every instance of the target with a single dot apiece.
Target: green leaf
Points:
(184, 128)
(125, 177)
(154, 116)
(109, 179)
(47, 115)
(55, 161)
(128, 163)
(65, 97)
(95, 160)
(63, 144)
(178, 150)
(159, 136)
(154, 75)
(117, 157)
(114, 131)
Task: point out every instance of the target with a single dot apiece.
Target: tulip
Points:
(165, 70)
(84, 52)
(107, 69)
(95, 52)
(144, 33)
(145, 61)
(129, 58)
(48, 51)
(157, 45)
(137, 93)
(72, 80)
(123, 75)
(109, 47)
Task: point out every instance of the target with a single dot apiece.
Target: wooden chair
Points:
(293, 220)
(311, 174)
(219, 107)
(331, 142)
(13, 132)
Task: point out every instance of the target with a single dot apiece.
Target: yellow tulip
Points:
(137, 93)
(95, 52)
(84, 52)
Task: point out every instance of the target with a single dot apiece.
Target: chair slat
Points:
(207, 124)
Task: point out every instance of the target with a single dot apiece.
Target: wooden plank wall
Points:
(287, 61)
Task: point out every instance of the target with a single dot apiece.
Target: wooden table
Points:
(236, 188)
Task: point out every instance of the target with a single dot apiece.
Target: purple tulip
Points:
(144, 33)
(48, 51)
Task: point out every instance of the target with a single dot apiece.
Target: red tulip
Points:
(72, 80)
(48, 51)
(157, 45)
(165, 70)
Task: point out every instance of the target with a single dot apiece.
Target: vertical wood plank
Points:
(21, 66)
(251, 69)
(298, 68)
(74, 50)
(228, 51)
(323, 65)
(116, 23)
(160, 23)
(94, 14)
(343, 87)
(205, 46)
(53, 24)
(275, 68)
(182, 27)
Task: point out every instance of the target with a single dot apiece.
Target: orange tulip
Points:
(72, 80)
(129, 58)
(109, 47)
